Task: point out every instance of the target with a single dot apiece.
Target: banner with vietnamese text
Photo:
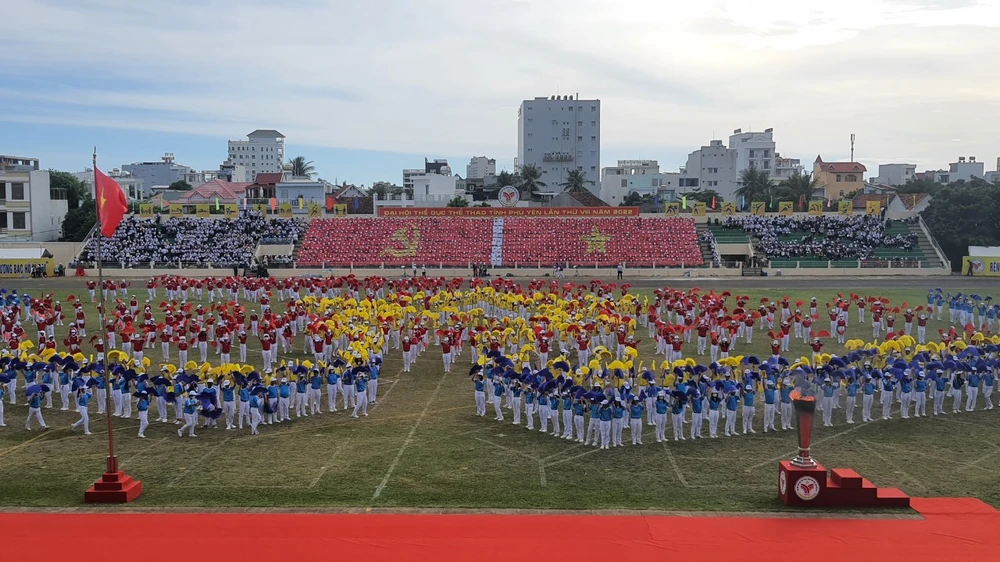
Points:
(491, 212)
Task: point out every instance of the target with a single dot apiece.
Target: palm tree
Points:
(756, 185)
(302, 168)
(704, 196)
(576, 181)
(531, 181)
(505, 178)
(799, 188)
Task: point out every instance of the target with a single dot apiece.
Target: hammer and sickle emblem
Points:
(405, 241)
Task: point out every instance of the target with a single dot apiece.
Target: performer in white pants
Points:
(920, 395)
(748, 408)
(255, 404)
(732, 401)
(660, 407)
(972, 391)
(143, 407)
(852, 399)
(190, 415)
(83, 397)
(516, 402)
(567, 414)
(578, 411)
(989, 381)
(480, 396)
(361, 389)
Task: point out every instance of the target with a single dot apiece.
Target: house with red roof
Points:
(837, 179)
(209, 192)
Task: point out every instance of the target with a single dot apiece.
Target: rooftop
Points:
(217, 188)
(271, 133)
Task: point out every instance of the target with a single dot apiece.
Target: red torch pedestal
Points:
(802, 482)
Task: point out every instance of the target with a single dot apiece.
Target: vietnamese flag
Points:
(111, 203)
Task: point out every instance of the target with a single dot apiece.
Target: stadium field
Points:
(423, 446)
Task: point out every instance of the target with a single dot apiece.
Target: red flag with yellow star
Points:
(111, 203)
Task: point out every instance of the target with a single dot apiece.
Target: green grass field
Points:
(422, 446)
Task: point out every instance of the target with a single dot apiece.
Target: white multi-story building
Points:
(480, 167)
(437, 166)
(718, 167)
(964, 169)
(263, 152)
(29, 209)
(785, 168)
(637, 176)
(434, 189)
(895, 174)
(754, 150)
(133, 187)
(162, 173)
(558, 134)
(712, 167)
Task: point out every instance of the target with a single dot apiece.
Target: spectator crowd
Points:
(195, 241)
(826, 237)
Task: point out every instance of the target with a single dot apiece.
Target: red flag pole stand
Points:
(114, 486)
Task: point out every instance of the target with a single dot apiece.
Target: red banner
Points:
(492, 212)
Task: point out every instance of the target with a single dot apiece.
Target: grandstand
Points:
(831, 241)
(191, 241)
(568, 237)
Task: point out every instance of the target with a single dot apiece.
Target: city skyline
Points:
(911, 78)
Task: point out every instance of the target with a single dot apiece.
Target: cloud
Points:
(446, 77)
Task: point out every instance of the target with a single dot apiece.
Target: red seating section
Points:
(635, 241)
(396, 241)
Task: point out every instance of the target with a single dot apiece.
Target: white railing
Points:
(934, 243)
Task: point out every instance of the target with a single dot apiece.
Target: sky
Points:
(366, 88)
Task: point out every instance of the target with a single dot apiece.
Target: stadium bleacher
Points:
(191, 240)
(827, 241)
(635, 241)
(526, 242)
(396, 241)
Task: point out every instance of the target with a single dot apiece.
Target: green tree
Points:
(756, 186)
(78, 222)
(704, 196)
(505, 178)
(180, 185)
(576, 181)
(920, 186)
(799, 188)
(380, 189)
(458, 201)
(302, 168)
(633, 199)
(531, 181)
(76, 190)
(963, 216)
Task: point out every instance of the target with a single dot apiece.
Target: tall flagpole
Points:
(112, 459)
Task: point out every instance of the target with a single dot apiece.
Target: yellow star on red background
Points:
(596, 241)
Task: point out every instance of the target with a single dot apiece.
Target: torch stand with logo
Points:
(802, 482)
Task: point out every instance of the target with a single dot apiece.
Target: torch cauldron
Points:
(805, 409)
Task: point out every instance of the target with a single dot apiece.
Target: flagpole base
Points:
(114, 486)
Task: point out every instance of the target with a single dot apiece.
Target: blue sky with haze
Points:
(367, 88)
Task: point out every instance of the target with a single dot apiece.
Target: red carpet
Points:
(952, 529)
